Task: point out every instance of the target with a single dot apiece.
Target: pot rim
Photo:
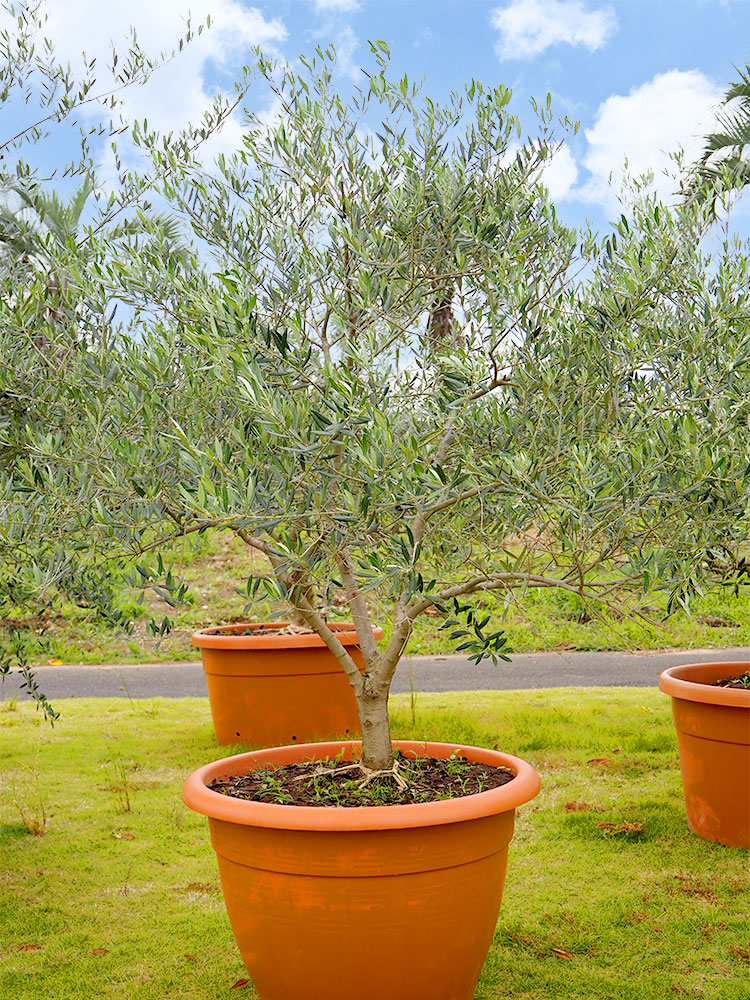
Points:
(202, 799)
(206, 638)
(674, 682)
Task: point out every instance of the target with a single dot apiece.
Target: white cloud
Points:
(338, 6)
(179, 91)
(560, 174)
(345, 41)
(346, 45)
(528, 27)
(673, 110)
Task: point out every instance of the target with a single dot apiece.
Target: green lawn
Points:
(541, 620)
(120, 894)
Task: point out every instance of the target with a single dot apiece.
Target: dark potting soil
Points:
(336, 783)
(743, 681)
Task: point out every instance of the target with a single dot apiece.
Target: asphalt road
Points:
(429, 673)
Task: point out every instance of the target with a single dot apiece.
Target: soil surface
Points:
(270, 630)
(736, 682)
(342, 783)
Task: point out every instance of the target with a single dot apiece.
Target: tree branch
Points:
(316, 622)
(507, 581)
(362, 621)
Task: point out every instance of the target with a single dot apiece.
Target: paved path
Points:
(430, 673)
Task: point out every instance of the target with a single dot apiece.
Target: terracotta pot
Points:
(270, 690)
(367, 903)
(713, 735)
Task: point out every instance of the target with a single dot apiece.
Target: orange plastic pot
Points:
(270, 690)
(368, 903)
(713, 736)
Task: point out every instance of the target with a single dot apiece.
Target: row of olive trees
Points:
(394, 387)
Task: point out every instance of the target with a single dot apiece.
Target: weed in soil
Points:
(121, 786)
(27, 797)
(742, 682)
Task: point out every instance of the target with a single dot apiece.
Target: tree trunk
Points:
(372, 706)
(440, 322)
(297, 618)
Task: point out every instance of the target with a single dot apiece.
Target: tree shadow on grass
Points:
(12, 831)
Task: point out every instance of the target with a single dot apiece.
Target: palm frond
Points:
(722, 164)
(78, 203)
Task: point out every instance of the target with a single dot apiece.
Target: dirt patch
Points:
(208, 887)
(342, 783)
(272, 630)
(264, 630)
(627, 828)
(716, 621)
(688, 884)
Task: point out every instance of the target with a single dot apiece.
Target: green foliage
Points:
(400, 379)
(16, 657)
(474, 640)
(55, 305)
(724, 165)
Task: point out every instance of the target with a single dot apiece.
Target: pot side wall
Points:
(398, 914)
(274, 697)
(714, 747)
(713, 737)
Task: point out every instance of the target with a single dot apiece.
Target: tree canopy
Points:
(381, 361)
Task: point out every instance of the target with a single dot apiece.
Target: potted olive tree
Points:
(292, 221)
(391, 385)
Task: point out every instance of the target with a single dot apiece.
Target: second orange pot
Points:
(270, 690)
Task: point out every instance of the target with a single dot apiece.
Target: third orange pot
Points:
(713, 735)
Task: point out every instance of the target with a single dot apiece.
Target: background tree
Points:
(724, 164)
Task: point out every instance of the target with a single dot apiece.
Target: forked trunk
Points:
(300, 593)
(377, 752)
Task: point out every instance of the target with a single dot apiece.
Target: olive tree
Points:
(402, 378)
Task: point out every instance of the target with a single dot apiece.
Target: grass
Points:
(119, 895)
(215, 565)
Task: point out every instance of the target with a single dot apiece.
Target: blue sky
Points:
(642, 76)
